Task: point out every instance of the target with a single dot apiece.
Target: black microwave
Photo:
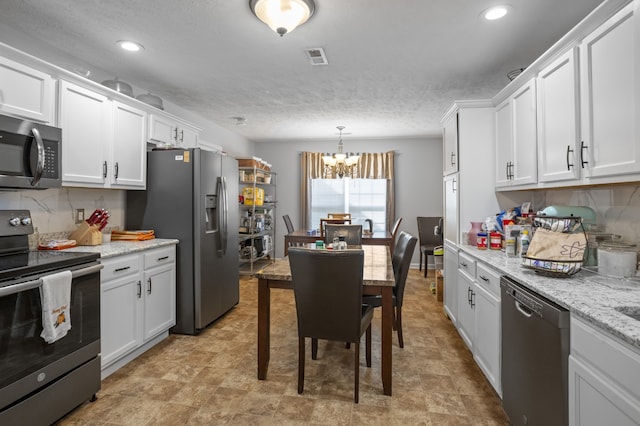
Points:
(30, 154)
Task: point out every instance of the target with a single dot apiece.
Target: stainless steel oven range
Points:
(40, 382)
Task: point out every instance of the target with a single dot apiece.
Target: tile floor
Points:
(211, 379)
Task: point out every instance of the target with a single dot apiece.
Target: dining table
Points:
(378, 279)
(301, 236)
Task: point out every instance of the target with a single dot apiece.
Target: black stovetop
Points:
(15, 266)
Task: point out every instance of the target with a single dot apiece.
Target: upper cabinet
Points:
(26, 92)
(104, 140)
(167, 130)
(610, 84)
(516, 141)
(450, 149)
(558, 125)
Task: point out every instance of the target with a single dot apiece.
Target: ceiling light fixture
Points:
(496, 12)
(340, 164)
(283, 16)
(131, 46)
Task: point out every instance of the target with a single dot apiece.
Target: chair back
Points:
(352, 233)
(327, 286)
(339, 215)
(401, 261)
(394, 232)
(288, 224)
(426, 233)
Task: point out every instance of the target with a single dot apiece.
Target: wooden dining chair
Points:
(352, 233)
(401, 261)
(339, 215)
(327, 287)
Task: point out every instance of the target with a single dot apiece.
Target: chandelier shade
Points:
(340, 164)
(283, 16)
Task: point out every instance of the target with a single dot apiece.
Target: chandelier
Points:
(340, 164)
(283, 16)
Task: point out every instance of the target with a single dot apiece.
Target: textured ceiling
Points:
(394, 66)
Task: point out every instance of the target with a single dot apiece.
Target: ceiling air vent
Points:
(317, 56)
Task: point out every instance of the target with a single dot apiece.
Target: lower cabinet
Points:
(137, 304)
(478, 319)
(604, 379)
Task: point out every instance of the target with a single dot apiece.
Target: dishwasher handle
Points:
(523, 309)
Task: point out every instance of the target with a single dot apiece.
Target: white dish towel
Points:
(55, 295)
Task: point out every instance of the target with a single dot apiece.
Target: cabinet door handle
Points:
(582, 148)
(469, 295)
(569, 150)
(104, 170)
(139, 289)
(149, 286)
(116, 170)
(453, 156)
(483, 278)
(472, 302)
(175, 134)
(453, 186)
(162, 258)
(463, 264)
(122, 269)
(181, 135)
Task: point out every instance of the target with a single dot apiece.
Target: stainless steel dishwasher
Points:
(535, 355)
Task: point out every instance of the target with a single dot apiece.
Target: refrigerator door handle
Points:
(221, 211)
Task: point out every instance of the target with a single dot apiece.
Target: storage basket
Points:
(558, 247)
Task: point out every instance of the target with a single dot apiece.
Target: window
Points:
(363, 198)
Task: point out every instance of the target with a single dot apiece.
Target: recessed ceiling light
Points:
(131, 46)
(496, 12)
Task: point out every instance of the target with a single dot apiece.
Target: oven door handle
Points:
(28, 285)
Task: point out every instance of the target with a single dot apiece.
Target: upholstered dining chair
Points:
(401, 261)
(352, 233)
(327, 287)
(394, 232)
(288, 224)
(428, 239)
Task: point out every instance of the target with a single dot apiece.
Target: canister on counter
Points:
(482, 240)
(510, 247)
(495, 241)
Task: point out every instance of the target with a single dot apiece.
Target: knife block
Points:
(87, 235)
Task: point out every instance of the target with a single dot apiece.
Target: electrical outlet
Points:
(79, 215)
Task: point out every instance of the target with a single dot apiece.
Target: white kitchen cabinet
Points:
(167, 130)
(604, 378)
(469, 194)
(488, 339)
(610, 94)
(120, 319)
(450, 138)
(466, 299)
(450, 298)
(160, 291)
(129, 149)
(138, 304)
(516, 140)
(558, 125)
(26, 92)
(104, 140)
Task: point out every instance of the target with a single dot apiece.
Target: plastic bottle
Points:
(524, 242)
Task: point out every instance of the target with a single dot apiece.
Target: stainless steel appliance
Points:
(535, 356)
(30, 154)
(192, 195)
(41, 382)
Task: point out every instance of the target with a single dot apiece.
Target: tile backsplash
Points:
(53, 210)
(617, 207)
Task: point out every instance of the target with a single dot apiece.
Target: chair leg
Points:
(300, 364)
(399, 320)
(357, 374)
(348, 345)
(420, 264)
(368, 347)
(426, 264)
(314, 348)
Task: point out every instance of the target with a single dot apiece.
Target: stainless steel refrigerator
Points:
(192, 195)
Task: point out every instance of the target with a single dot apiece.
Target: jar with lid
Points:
(617, 259)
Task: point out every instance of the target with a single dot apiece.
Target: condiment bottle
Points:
(524, 243)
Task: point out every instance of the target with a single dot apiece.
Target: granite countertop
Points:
(586, 294)
(119, 248)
